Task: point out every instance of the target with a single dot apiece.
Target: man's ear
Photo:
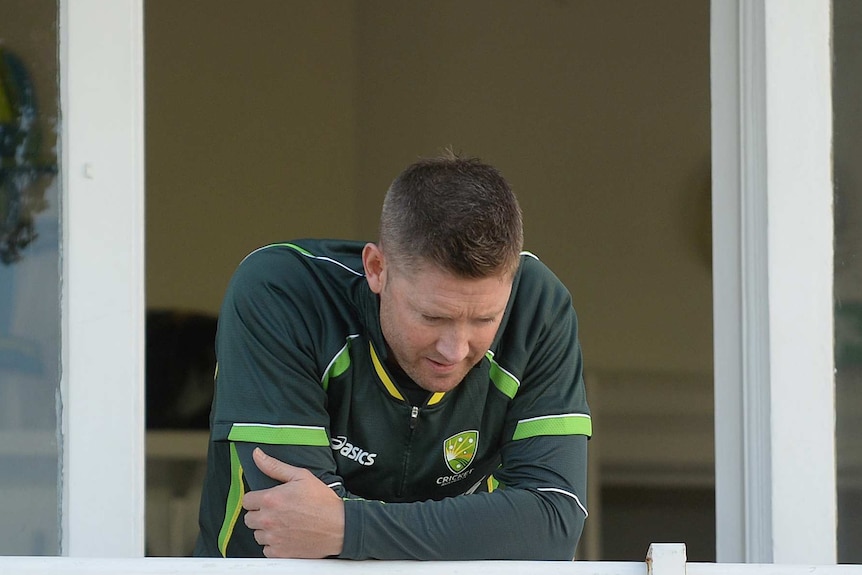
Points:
(375, 267)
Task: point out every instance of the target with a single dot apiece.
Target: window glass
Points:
(847, 147)
(29, 279)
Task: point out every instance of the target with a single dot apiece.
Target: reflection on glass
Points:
(847, 147)
(29, 279)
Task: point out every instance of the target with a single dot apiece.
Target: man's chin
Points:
(440, 385)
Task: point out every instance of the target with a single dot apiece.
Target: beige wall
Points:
(290, 119)
(249, 136)
(598, 113)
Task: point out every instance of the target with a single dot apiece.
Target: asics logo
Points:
(346, 449)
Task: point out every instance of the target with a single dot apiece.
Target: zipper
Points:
(414, 419)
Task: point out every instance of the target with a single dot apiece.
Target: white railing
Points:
(662, 559)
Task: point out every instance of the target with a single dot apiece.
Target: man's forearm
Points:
(506, 524)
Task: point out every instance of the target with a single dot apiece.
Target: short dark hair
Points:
(457, 213)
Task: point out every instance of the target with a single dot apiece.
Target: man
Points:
(418, 398)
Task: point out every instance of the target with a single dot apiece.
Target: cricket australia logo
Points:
(460, 449)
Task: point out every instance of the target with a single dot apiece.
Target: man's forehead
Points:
(402, 263)
(482, 296)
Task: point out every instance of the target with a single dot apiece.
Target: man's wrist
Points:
(352, 531)
(338, 533)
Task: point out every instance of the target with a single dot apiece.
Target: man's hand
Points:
(301, 518)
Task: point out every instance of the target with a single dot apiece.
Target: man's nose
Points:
(454, 344)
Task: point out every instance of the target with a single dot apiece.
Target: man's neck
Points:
(415, 394)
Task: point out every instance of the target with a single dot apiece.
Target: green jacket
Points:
(494, 469)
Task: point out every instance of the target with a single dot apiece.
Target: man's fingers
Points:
(301, 517)
(274, 468)
(250, 503)
(278, 470)
(250, 518)
(259, 537)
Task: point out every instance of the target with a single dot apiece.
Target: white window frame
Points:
(772, 290)
(102, 381)
(772, 255)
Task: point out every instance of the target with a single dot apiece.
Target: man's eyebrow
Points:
(492, 315)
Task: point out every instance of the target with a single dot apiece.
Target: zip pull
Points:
(414, 417)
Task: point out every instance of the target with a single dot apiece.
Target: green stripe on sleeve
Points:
(297, 248)
(569, 424)
(338, 366)
(341, 363)
(278, 434)
(503, 380)
(234, 501)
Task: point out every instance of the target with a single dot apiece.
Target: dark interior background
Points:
(273, 120)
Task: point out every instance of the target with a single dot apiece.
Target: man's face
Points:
(437, 325)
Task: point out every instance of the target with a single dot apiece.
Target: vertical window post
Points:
(102, 382)
(772, 254)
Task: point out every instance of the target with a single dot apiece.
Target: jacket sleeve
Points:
(510, 523)
(537, 512)
(268, 389)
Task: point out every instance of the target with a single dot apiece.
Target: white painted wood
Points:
(755, 302)
(736, 278)
(666, 559)
(799, 134)
(770, 569)
(772, 257)
(172, 566)
(102, 386)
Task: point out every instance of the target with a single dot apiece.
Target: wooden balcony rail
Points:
(661, 559)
